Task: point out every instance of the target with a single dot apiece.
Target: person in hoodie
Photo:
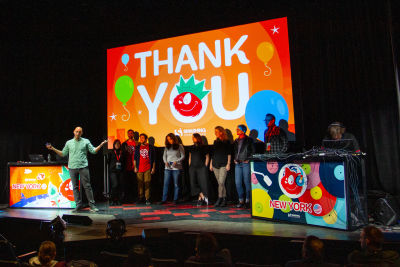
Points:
(243, 149)
(371, 241)
(46, 256)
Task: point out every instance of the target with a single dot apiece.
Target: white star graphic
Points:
(113, 117)
(140, 112)
(275, 30)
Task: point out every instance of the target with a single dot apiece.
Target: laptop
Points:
(343, 144)
(36, 158)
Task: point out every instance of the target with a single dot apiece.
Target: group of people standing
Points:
(135, 160)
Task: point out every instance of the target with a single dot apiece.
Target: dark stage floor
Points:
(186, 217)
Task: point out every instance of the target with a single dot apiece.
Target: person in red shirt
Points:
(128, 148)
(144, 165)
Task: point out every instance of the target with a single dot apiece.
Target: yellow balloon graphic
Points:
(260, 204)
(331, 217)
(316, 192)
(265, 51)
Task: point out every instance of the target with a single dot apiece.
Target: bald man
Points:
(77, 149)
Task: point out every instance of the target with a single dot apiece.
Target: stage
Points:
(249, 239)
(185, 217)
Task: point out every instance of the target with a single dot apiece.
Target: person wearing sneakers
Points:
(144, 167)
(77, 149)
(243, 148)
(173, 156)
(198, 171)
(221, 162)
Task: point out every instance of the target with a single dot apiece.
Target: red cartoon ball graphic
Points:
(66, 190)
(292, 180)
(188, 104)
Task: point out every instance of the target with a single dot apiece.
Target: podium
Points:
(40, 185)
(327, 190)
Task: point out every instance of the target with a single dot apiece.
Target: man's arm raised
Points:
(58, 152)
(100, 146)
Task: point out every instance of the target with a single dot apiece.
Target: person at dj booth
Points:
(275, 138)
(337, 132)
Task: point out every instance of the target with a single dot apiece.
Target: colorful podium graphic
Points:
(40, 187)
(302, 192)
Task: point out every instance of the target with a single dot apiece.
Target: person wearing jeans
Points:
(243, 149)
(77, 149)
(173, 156)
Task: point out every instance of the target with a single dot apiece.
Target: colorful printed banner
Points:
(40, 187)
(302, 192)
(190, 84)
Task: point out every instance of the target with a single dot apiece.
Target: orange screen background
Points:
(267, 70)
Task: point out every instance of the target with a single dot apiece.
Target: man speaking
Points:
(77, 149)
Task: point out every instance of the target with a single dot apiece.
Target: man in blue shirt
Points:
(77, 149)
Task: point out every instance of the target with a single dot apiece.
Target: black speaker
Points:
(77, 219)
(386, 211)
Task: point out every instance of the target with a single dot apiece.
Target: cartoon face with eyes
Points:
(292, 180)
(288, 182)
(272, 167)
(188, 104)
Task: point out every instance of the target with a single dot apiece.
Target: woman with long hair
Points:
(198, 172)
(116, 161)
(221, 162)
(174, 154)
(46, 256)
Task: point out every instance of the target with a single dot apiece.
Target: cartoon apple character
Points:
(66, 190)
(188, 102)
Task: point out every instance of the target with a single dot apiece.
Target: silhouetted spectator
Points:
(115, 231)
(46, 256)
(312, 254)
(371, 241)
(138, 256)
(207, 251)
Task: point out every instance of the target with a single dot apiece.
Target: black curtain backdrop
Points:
(53, 69)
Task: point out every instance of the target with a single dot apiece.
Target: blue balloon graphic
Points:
(262, 103)
(125, 59)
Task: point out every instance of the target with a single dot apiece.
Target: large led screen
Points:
(192, 83)
(40, 187)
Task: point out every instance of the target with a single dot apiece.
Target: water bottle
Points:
(48, 157)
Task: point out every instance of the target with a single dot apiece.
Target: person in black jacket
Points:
(198, 171)
(243, 149)
(144, 164)
(116, 162)
(221, 162)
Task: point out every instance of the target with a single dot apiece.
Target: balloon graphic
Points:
(125, 60)
(123, 91)
(265, 51)
(262, 103)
